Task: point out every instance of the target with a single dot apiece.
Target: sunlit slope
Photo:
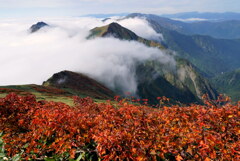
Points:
(79, 83)
(55, 89)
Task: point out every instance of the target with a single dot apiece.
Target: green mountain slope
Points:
(212, 56)
(184, 85)
(229, 83)
(41, 92)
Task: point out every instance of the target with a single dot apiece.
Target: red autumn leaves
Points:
(120, 130)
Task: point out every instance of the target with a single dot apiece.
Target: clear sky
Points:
(28, 8)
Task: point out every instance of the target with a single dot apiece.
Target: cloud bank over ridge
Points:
(32, 58)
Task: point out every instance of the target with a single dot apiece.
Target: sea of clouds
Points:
(27, 58)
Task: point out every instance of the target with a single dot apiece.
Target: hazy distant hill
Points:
(224, 29)
(205, 15)
(106, 15)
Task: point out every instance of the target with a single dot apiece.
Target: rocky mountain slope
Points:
(183, 84)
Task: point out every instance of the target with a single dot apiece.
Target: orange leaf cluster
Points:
(121, 131)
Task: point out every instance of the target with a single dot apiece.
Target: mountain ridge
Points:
(165, 80)
(212, 56)
(117, 31)
(212, 16)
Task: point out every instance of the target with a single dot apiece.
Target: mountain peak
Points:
(114, 24)
(115, 30)
(37, 26)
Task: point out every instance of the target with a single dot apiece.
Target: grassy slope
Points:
(44, 93)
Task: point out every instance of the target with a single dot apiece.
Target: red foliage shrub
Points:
(49, 90)
(7, 90)
(120, 130)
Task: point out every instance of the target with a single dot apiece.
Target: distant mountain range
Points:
(225, 29)
(211, 16)
(184, 16)
(211, 55)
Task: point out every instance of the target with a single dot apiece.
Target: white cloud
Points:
(190, 19)
(142, 28)
(32, 58)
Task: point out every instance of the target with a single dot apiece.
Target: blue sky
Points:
(28, 8)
